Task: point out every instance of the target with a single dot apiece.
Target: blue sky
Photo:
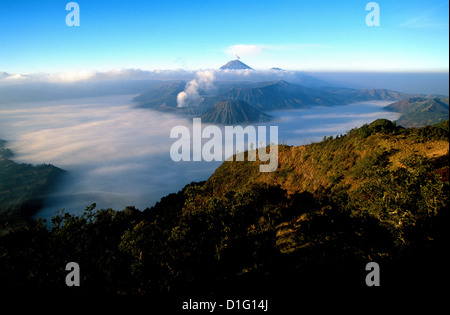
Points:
(298, 35)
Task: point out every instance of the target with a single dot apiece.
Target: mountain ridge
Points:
(22, 189)
(421, 111)
(228, 112)
(264, 96)
(306, 168)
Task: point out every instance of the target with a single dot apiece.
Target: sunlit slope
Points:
(344, 162)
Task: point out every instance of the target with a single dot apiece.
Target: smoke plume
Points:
(190, 96)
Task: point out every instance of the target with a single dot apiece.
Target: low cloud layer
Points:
(202, 76)
(25, 87)
(117, 155)
(91, 75)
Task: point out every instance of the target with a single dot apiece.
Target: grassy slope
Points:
(340, 162)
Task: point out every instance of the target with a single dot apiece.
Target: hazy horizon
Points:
(53, 86)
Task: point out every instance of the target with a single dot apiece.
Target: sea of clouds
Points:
(117, 155)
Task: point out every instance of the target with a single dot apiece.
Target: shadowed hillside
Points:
(421, 111)
(22, 189)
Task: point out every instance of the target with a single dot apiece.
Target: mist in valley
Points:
(117, 155)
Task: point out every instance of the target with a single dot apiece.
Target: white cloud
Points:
(90, 75)
(190, 96)
(242, 50)
(115, 154)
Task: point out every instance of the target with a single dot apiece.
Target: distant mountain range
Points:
(244, 102)
(421, 111)
(282, 95)
(164, 94)
(262, 96)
